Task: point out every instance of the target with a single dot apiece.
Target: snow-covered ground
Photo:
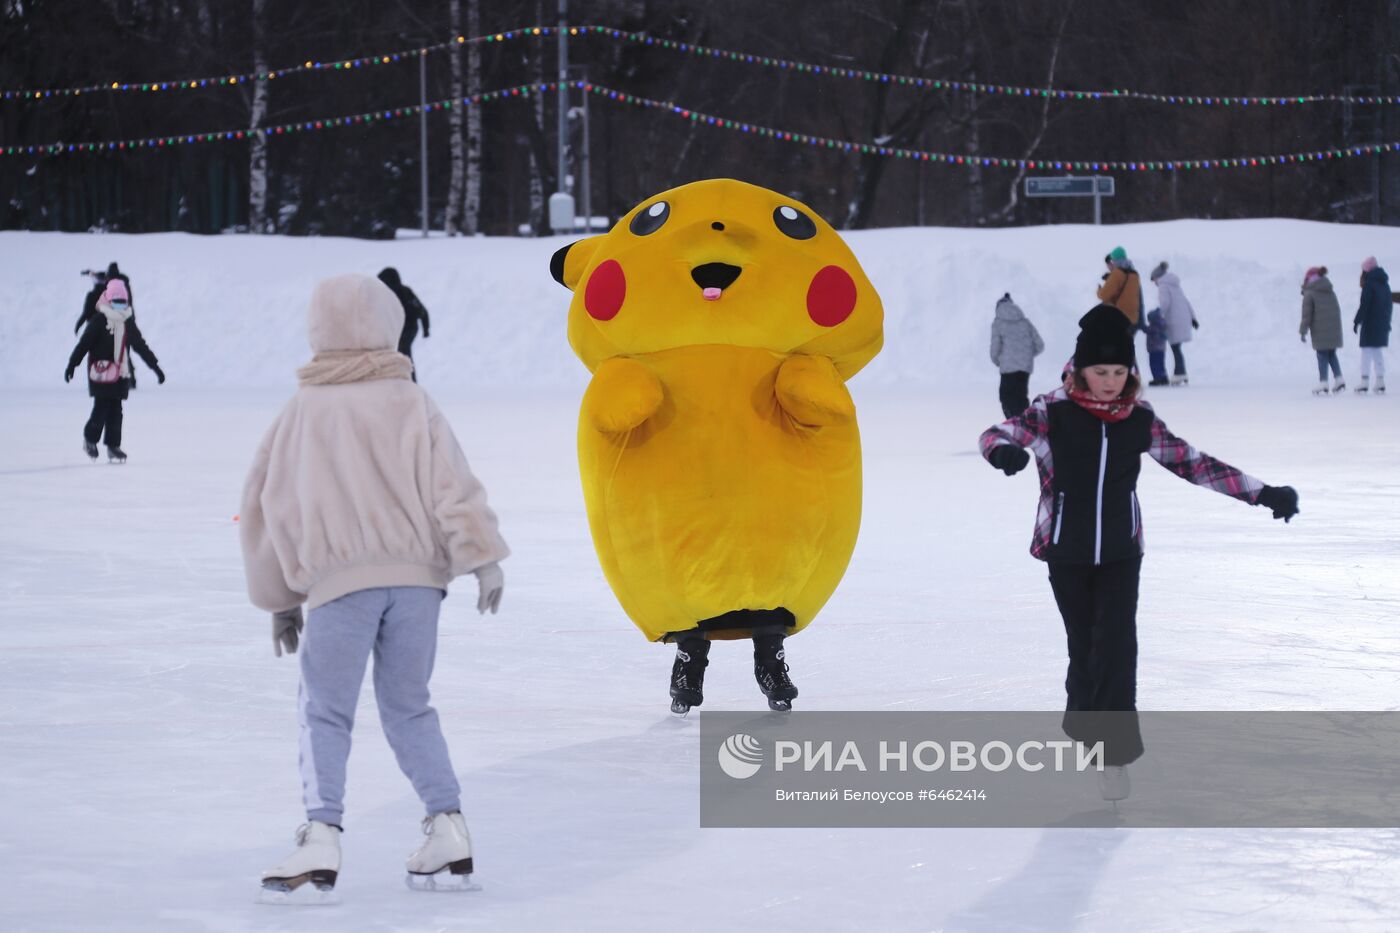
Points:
(230, 311)
(147, 734)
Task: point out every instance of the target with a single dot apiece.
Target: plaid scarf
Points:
(1112, 411)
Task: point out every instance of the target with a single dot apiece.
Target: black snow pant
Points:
(1178, 360)
(1099, 606)
(106, 418)
(1015, 393)
(406, 348)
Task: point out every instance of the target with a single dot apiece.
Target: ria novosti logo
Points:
(741, 756)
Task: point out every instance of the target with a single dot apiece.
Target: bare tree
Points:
(884, 131)
(471, 209)
(257, 143)
(1013, 193)
(456, 188)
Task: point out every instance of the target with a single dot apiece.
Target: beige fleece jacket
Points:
(359, 484)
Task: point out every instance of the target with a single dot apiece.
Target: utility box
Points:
(561, 212)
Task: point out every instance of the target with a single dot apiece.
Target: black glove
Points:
(1302, 338)
(1009, 458)
(68, 374)
(160, 376)
(1195, 324)
(1282, 500)
(425, 333)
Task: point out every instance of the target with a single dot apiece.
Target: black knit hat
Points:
(1105, 338)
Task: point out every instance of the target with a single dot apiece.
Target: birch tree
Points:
(257, 143)
(456, 188)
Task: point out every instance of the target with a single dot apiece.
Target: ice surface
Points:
(148, 735)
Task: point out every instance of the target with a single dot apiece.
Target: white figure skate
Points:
(444, 861)
(307, 876)
(1113, 783)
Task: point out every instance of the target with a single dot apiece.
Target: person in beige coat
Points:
(360, 506)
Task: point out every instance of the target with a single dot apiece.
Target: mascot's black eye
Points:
(794, 223)
(650, 220)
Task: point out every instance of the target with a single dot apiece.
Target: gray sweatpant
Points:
(399, 624)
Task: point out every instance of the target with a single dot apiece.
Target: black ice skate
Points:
(688, 675)
(116, 455)
(90, 449)
(771, 671)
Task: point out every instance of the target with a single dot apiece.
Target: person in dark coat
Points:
(1373, 324)
(413, 312)
(107, 344)
(1088, 438)
(1322, 317)
(99, 284)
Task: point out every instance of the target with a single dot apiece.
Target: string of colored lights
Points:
(281, 129)
(943, 84)
(711, 120)
(344, 65)
(642, 38)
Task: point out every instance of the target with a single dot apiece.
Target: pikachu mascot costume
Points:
(717, 442)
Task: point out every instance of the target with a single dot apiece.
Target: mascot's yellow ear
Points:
(567, 264)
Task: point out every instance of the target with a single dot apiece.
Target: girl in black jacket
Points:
(1088, 437)
(107, 343)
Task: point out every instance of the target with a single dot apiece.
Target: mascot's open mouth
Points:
(714, 277)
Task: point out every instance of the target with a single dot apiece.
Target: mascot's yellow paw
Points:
(622, 395)
(811, 391)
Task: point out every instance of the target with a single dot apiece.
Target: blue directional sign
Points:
(1070, 186)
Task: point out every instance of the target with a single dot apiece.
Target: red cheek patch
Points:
(607, 287)
(831, 297)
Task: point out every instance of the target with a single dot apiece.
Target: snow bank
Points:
(229, 310)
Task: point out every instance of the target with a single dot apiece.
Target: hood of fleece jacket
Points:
(1008, 310)
(353, 312)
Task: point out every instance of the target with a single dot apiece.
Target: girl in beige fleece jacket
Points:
(361, 505)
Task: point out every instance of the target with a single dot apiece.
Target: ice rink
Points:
(148, 735)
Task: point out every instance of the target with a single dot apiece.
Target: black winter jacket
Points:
(413, 310)
(1088, 511)
(97, 343)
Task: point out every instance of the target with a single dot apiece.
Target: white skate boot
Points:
(444, 861)
(1321, 389)
(307, 876)
(1114, 783)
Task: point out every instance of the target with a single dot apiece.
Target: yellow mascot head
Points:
(720, 262)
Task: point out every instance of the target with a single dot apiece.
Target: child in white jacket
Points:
(361, 505)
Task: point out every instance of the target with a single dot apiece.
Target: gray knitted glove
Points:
(286, 629)
(491, 582)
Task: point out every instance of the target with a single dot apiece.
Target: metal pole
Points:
(1098, 215)
(423, 134)
(584, 169)
(563, 128)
